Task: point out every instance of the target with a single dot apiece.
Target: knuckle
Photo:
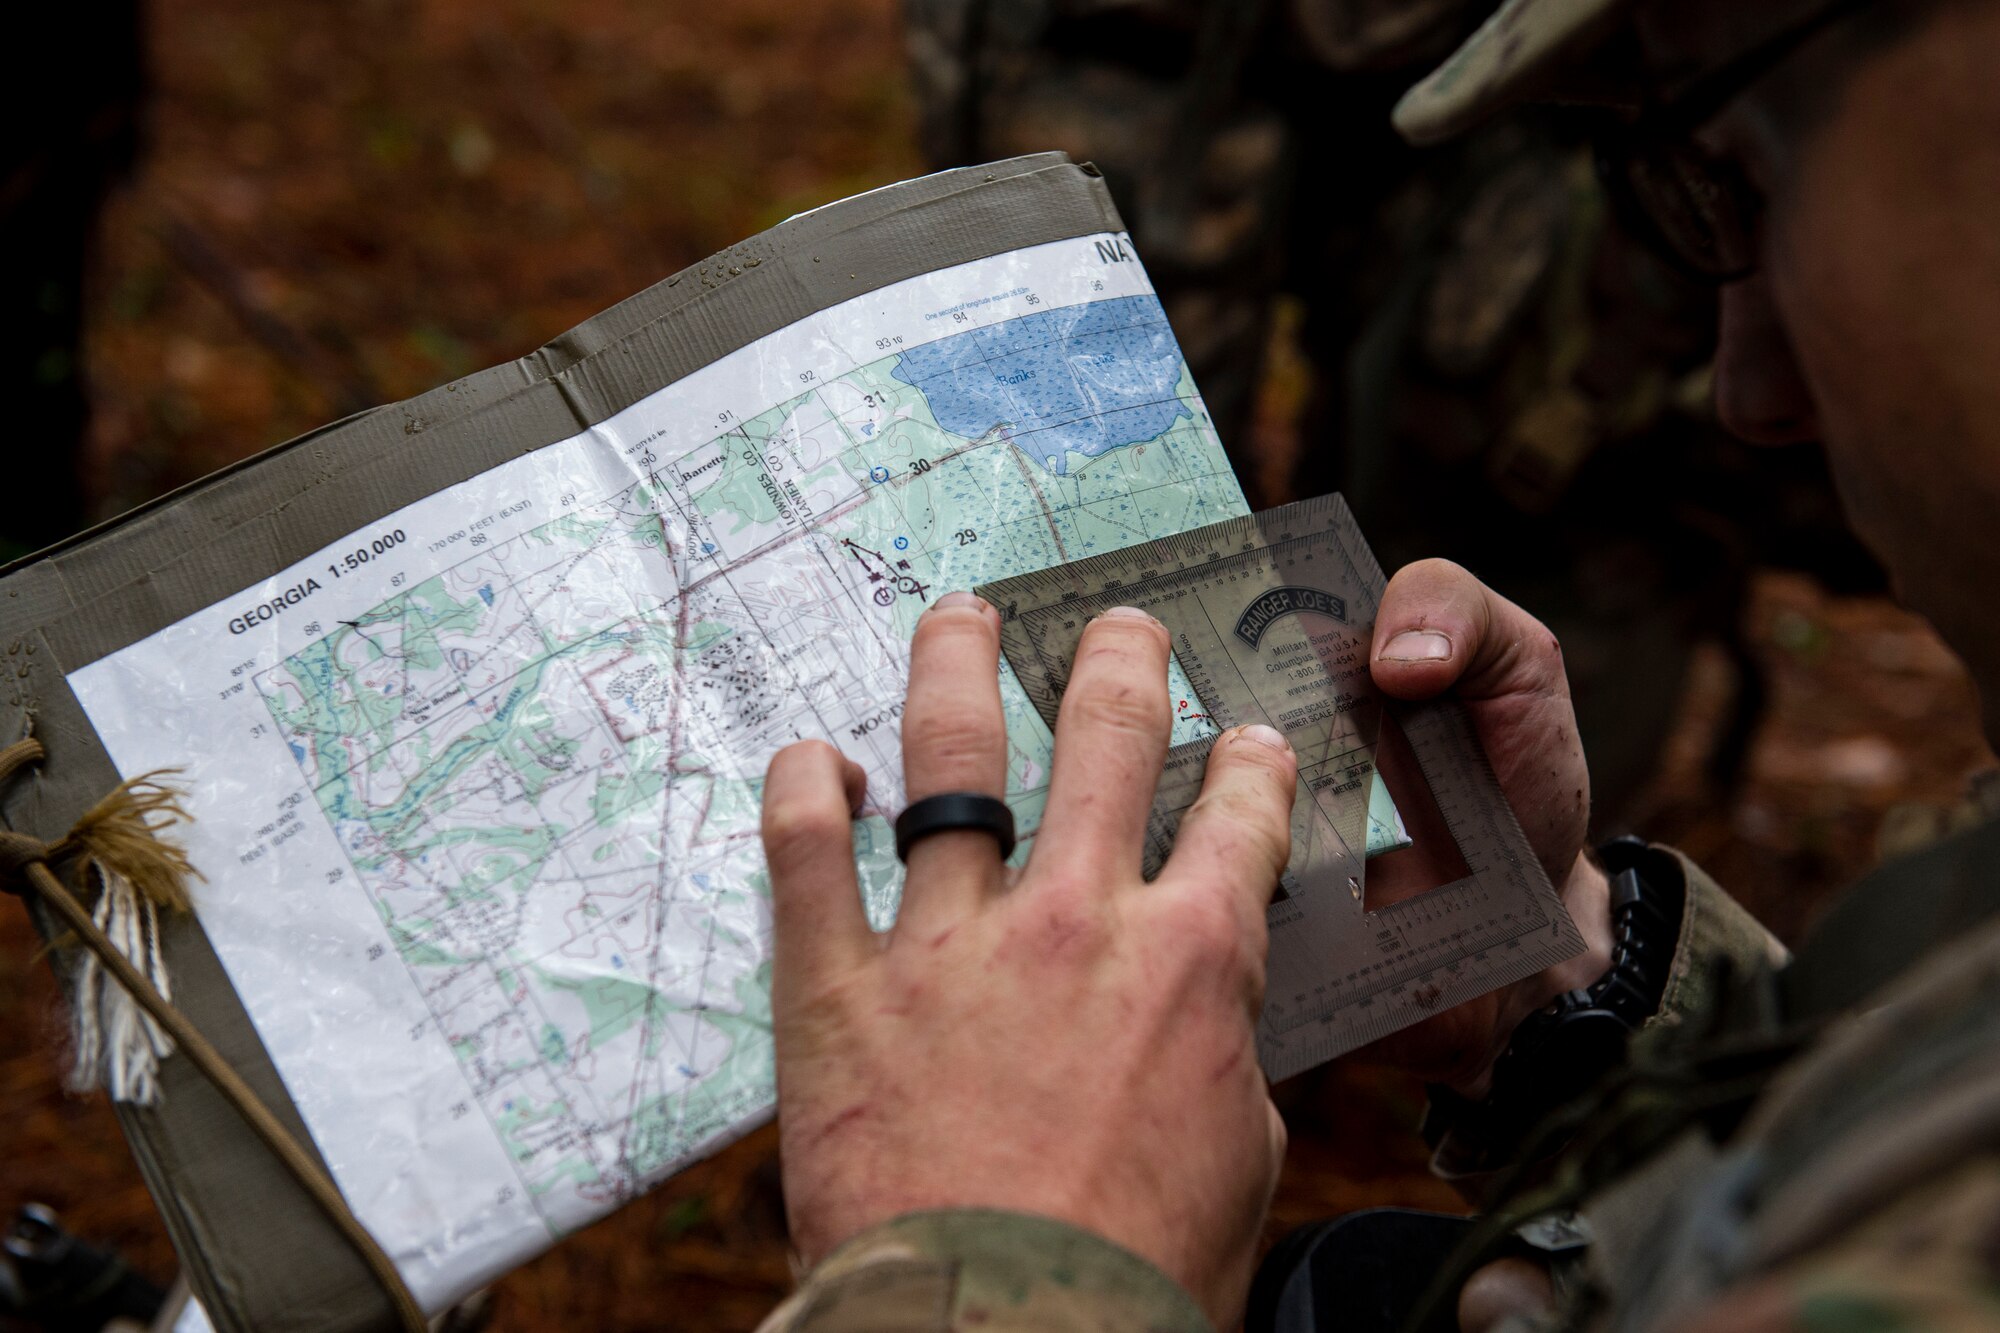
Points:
(953, 624)
(1120, 707)
(1122, 647)
(1267, 770)
(803, 754)
(1433, 577)
(1112, 632)
(953, 738)
(1436, 568)
(1249, 826)
(1068, 925)
(822, 1013)
(1208, 929)
(833, 996)
(799, 827)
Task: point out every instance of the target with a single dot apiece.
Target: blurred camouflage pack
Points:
(1499, 373)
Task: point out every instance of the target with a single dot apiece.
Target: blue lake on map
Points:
(1086, 379)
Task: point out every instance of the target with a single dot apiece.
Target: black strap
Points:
(1881, 927)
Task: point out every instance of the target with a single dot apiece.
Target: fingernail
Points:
(960, 599)
(1132, 613)
(1418, 645)
(1264, 735)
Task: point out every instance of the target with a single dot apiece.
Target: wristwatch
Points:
(1558, 1053)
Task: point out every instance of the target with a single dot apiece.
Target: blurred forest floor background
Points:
(345, 204)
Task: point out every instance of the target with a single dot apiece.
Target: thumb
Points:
(1439, 628)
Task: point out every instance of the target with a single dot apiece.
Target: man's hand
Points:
(1069, 1041)
(1441, 629)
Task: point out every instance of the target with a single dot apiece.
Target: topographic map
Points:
(510, 742)
(543, 760)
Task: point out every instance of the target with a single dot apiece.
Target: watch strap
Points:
(1559, 1053)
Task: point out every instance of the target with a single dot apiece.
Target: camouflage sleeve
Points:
(1718, 938)
(998, 1271)
(1473, 1142)
(1927, 1261)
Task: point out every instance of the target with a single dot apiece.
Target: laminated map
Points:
(476, 772)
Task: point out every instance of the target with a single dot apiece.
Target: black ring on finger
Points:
(952, 810)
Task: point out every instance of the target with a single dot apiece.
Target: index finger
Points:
(1439, 628)
(1111, 743)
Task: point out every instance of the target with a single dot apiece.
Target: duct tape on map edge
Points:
(259, 1255)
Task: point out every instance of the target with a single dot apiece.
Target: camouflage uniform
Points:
(1862, 1188)
(978, 1268)
(1852, 1185)
(1807, 1145)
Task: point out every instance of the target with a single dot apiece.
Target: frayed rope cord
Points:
(117, 836)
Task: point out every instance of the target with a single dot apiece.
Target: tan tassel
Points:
(117, 843)
(117, 851)
(123, 831)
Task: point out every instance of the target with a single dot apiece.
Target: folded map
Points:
(472, 697)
